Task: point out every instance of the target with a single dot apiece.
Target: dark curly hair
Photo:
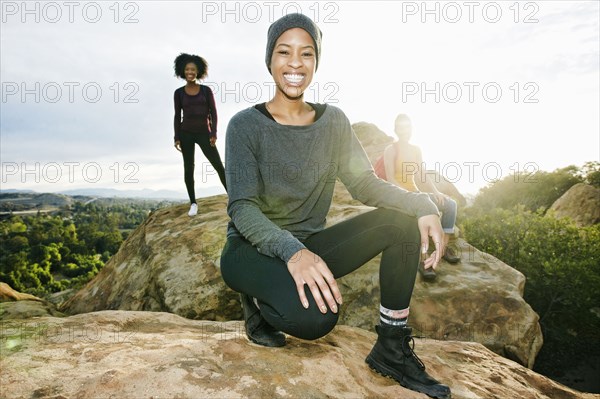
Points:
(183, 59)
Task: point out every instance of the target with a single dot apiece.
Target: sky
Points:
(491, 87)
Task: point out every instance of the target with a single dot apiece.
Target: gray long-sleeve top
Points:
(280, 179)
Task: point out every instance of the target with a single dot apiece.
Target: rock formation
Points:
(17, 305)
(128, 354)
(580, 203)
(171, 263)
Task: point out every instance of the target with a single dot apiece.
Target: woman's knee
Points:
(320, 326)
(403, 224)
(310, 325)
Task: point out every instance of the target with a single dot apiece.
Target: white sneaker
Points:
(193, 210)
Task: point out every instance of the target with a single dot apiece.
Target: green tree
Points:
(54, 251)
(590, 173)
(534, 191)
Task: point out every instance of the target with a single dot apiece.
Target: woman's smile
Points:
(294, 79)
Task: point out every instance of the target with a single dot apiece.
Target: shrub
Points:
(561, 263)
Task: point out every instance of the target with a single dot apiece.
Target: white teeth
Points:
(293, 77)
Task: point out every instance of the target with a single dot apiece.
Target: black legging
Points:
(188, 146)
(344, 247)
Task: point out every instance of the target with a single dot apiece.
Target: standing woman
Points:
(199, 124)
(282, 160)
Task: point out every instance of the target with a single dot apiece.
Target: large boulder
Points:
(127, 354)
(27, 309)
(18, 305)
(171, 263)
(581, 203)
(373, 139)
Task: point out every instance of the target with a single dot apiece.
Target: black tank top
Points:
(319, 109)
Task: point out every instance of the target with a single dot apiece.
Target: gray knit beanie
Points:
(289, 21)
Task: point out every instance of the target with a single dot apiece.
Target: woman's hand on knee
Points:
(178, 145)
(308, 268)
(430, 226)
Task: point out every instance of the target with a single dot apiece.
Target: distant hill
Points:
(30, 202)
(143, 193)
(14, 190)
(111, 192)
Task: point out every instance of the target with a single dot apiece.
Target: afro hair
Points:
(183, 59)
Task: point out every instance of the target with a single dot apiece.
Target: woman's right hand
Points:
(307, 267)
(430, 226)
(178, 145)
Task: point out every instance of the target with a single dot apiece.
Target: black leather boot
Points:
(257, 329)
(393, 356)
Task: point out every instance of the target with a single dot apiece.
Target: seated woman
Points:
(403, 161)
(282, 160)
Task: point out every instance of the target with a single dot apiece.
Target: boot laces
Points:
(408, 346)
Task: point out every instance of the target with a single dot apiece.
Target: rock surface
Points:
(18, 305)
(171, 263)
(580, 203)
(121, 354)
(26, 309)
